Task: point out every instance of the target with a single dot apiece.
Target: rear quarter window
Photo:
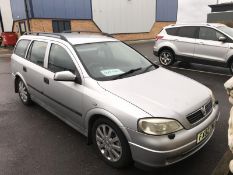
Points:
(21, 48)
(172, 31)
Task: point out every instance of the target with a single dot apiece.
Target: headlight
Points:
(157, 126)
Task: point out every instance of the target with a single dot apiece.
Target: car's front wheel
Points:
(166, 57)
(23, 93)
(110, 143)
(231, 66)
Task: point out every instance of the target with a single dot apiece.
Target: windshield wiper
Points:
(127, 73)
(148, 67)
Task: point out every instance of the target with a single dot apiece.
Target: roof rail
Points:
(53, 35)
(84, 31)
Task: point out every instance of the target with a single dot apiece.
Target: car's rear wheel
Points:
(110, 143)
(23, 93)
(166, 57)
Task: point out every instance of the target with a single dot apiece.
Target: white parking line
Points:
(193, 70)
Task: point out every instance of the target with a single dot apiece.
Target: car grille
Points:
(204, 111)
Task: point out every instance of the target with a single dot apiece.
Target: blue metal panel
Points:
(65, 9)
(18, 9)
(166, 10)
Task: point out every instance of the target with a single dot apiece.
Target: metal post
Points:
(27, 15)
(217, 1)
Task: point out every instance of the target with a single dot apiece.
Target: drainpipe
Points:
(27, 15)
(1, 22)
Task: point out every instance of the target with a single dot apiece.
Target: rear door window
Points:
(21, 48)
(188, 32)
(37, 52)
(172, 31)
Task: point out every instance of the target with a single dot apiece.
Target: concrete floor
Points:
(33, 141)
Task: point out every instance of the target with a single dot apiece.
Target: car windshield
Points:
(226, 30)
(112, 60)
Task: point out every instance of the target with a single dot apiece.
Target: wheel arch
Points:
(230, 59)
(95, 114)
(168, 48)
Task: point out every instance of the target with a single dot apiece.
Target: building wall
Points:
(124, 16)
(65, 9)
(220, 16)
(5, 8)
(166, 10)
(157, 27)
(45, 25)
(18, 9)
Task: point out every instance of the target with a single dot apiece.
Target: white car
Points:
(199, 43)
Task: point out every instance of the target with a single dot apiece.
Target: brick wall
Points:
(41, 25)
(157, 27)
(45, 25)
(87, 25)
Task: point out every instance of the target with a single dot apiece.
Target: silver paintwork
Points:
(209, 50)
(64, 76)
(158, 93)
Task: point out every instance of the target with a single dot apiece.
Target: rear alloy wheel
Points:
(166, 57)
(111, 144)
(23, 93)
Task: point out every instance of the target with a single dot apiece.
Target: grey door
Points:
(185, 41)
(209, 47)
(65, 98)
(34, 68)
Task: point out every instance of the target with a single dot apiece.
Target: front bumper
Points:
(159, 151)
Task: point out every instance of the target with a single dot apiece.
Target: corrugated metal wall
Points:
(18, 9)
(67, 9)
(166, 10)
(124, 16)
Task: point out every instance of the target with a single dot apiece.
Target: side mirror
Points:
(67, 76)
(222, 38)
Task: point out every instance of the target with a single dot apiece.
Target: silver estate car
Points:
(130, 109)
(200, 43)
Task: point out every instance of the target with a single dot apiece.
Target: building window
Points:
(61, 26)
(22, 27)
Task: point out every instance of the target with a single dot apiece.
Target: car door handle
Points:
(24, 69)
(201, 43)
(46, 80)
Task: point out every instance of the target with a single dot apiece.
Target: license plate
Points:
(204, 134)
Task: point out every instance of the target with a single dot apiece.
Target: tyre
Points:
(111, 144)
(166, 57)
(231, 66)
(23, 93)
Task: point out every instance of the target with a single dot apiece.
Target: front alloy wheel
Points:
(108, 143)
(166, 58)
(111, 143)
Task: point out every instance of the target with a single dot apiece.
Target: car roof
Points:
(73, 38)
(83, 38)
(196, 24)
